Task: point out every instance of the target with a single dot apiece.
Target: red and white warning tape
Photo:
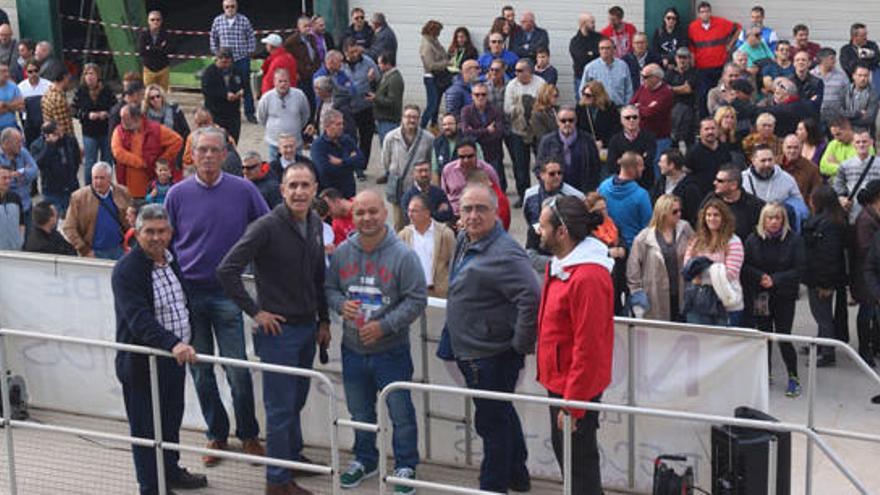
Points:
(134, 54)
(170, 31)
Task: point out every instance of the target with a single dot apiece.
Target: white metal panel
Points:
(559, 18)
(829, 21)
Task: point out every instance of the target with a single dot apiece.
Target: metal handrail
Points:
(157, 443)
(590, 406)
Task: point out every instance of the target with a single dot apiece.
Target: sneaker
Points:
(794, 387)
(408, 473)
(355, 474)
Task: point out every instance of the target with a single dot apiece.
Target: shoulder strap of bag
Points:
(752, 183)
(101, 204)
(855, 190)
(412, 155)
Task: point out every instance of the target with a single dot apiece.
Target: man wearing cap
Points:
(682, 79)
(279, 58)
(223, 89)
(234, 31)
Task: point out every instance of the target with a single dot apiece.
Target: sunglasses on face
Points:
(155, 97)
(467, 157)
(676, 211)
(476, 95)
(249, 167)
(495, 41)
(631, 117)
(554, 173)
(719, 180)
(566, 121)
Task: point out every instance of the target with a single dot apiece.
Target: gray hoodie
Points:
(388, 281)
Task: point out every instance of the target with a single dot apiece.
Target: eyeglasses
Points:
(676, 211)
(519, 70)
(32, 71)
(566, 121)
(630, 117)
(155, 97)
(249, 167)
(494, 69)
(719, 180)
(479, 94)
(496, 41)
(155, 20)
(481, 209)
(551, 203)
(467, 157)
(554, 173)
(359, 18)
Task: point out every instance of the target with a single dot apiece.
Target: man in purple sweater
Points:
(210, 212)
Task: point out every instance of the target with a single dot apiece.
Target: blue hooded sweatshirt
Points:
(628, 205)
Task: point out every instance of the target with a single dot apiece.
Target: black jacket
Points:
(136, 322)
(154, 54)
(747, 211)
(585, 168)
(825, 243)
(215, 89)
(583, 50)
(635, 69)
(782, 259)
(850, 56)
(269, 189)
(872, 268)
(289, 269)
(665, 43)
(58, 164)
(602, 125)
(645, 144)
(83, 104)
(529, 49)
(703, 163)
(38, 241)
(687, 190)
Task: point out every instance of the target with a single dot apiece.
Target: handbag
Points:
(701, 299)
(394, 186)
(442, 79)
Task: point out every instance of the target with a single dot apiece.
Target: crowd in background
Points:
(719, 168)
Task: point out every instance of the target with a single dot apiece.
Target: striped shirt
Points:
(237, 35)
(732, 257)
(169, 300)
(848, 176)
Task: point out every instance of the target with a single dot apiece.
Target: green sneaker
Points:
(408, 473)
(355, 474)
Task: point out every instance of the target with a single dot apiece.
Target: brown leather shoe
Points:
(212, 460)
(252, 446)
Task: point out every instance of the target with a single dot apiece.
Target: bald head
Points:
(586, 22)
(5, 34)
(369, 214)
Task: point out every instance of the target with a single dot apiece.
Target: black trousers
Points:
(586, 477)
(780, 320)
(366, 127)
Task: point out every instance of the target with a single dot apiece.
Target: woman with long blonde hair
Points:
(543, 119)
(653, 270)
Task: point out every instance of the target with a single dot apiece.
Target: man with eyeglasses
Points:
(682, 79)
(575, 331)
(576, 151)
(518, 100)
(632, 138)
(210, 212)
(550, 185)
(498, 52)
(403, 148)
(359, 30)
(233, 30)
(654, 99)
(612, 72)
(746, 207)
(282, 109)
(254, 169)
(484, 122)
(490, 328)
(453, 179)
(153, 48)
(640, 57)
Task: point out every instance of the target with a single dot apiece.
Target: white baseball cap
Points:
(273, 39)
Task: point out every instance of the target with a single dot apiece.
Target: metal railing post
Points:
(382, 422)
(566, 454)
(811, 415)
(426, 398)
(335, 486)
(468, 434)
(157, 423)
(631, 401)
(7, 416)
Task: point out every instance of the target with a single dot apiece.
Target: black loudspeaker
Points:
(748, 461)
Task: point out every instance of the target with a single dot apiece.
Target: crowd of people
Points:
(703, 175)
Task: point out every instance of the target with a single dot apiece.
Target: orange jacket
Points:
(136, 154)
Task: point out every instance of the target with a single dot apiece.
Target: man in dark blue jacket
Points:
(336, 156)
(526, 41)
(574, 150)
(152, 310)
(441, 210)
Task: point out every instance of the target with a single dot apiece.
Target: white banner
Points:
(673, 370)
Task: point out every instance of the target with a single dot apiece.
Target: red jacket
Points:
(655, 107)
(503, 206)
(710, 46)
(623, 40)
(576, 333)
(278, 59)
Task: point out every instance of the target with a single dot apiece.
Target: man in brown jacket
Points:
(805, 172)
(302, 46)
(432, 241)
(95, 222)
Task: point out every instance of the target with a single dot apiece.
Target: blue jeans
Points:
(91, 147)
(504, 447)
(383, 127)
(113, 253)
(701, 319)
(139, 410)
(243, 67)
(285, 395)
(432, 105)
(60, 201)
(363, 376)
(214, 315)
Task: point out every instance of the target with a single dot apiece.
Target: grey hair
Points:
(379, 18)
(8, 134)
(252, 155)
(483, 187)
(102, 166)
(286, 135)
(629, 107)
(281, 70)
(151, 211)
(45, 44)
(331, 116)
(786, 84)
(208, 131)
(323, 83)
(655, 70)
